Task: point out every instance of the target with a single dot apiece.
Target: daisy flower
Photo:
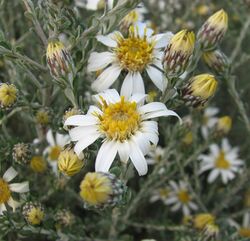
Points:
(123, 124)
(222, 161)
(180, 198)
(160, 194)
(56, 144)
(6, 189)
(155, 155)
(139, 52)
(209, 120)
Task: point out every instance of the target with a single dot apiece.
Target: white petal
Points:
(174, 185)
(10, 174)
(215, 150)
(81, 132)
(162, 39)
(123, 150)
(62, 140)
(211, 111)
(176, 207)
(138, 98)
(98, 61)
(171, 200)
(85, 142)
(192, 205)
(225, 145)
(106, 78)
(224, 177)
(105, 156)
(142, 141)
(127, 86)
(141, 27)
(165, 112)
(111, 96)
(50, 138)
(151, 107)
(19, 187)
(156, 76)
(138, 84)
(185, 210)
(81, 120)
(150, 125)
(14, 204)
(2, 208)
(213, 175)
(108, 40)
(138, 159)
(93, 110)
(205, 168)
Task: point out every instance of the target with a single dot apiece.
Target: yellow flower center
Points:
(221, 162)
(4, 191)
(119, 121)
(183, 196)
(42, 117)
(54, 152)
(244, 232)
(35, 216)
(8, 94)
(95, 188)
(164, 192)
(134, 53)
(38, 164)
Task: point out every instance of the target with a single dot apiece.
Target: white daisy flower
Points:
(160, 194)
(209, 120)
(56, 144)
(6, 188)
(180, 198)
(124, 125)
(139, 52)
(155, 155)
(222, 161)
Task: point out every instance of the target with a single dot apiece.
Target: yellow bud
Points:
(199, 89)
(69, 163)
(8, 95)
(42, 117)
(224, 124)
(203, 10)
(213, 30)
(151, 96)
(188, 138)
(33, 213)
(130, 19)
(203, 219)
(38, 164)
(178, 53)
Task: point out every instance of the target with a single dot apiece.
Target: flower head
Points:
(181, 198)
(33, 213)
(64, 218)
(100, 189)
(160, 194)
(155, 155)
(224, 124)
(178, 53)
(6, 189)
(59, 59)
(8, 95)
(139, 52)
(38, 164)
(222, 161)
(216, 61)
(213, 30)
(199, 89)
(209, 120)
(124, 126)
(43, 117)
(69, 163)
(21, 153)
(201, 220)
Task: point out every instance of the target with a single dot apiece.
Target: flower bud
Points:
(187, 139)
(130, 19)
(203, 219)
(33, 213)
(216, 61)
(178, 53)
(38, 164)
(101, 189)
(59, 60)
(8, 95)
(69, 163)
(64, 218)
(224, 125)
(42, 117)
(213, 30)
(21, 153)
(68, 113)
(199, 89)
(211, 230)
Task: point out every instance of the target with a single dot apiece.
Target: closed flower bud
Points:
(101, 189)
(64, 218)
(38, 164)
(211, 230)
(223, 125)
(21, 153)
(199, 90)
(178, 53)
(8, 95)
(33, 213)
(216, 61)
(68, 113)
(69, 163)
(213, 30)
(203, 219)
(42, 117)
(59, 60)
(130, 19)
(187, 138)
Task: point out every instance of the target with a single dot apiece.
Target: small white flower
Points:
(139, 52)
(6, 188)
(56, 144)
(222, 161)
(155, 155)
(124, 125)
(209, 120)
(180, 198)
(160, 194)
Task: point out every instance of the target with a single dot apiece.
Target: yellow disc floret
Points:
(134, 53)
(183, 196)
(120, 120)
(96, 188)
(244, 232)
(8, 95)
(35, 216)
(4, 191)
(221, 161)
